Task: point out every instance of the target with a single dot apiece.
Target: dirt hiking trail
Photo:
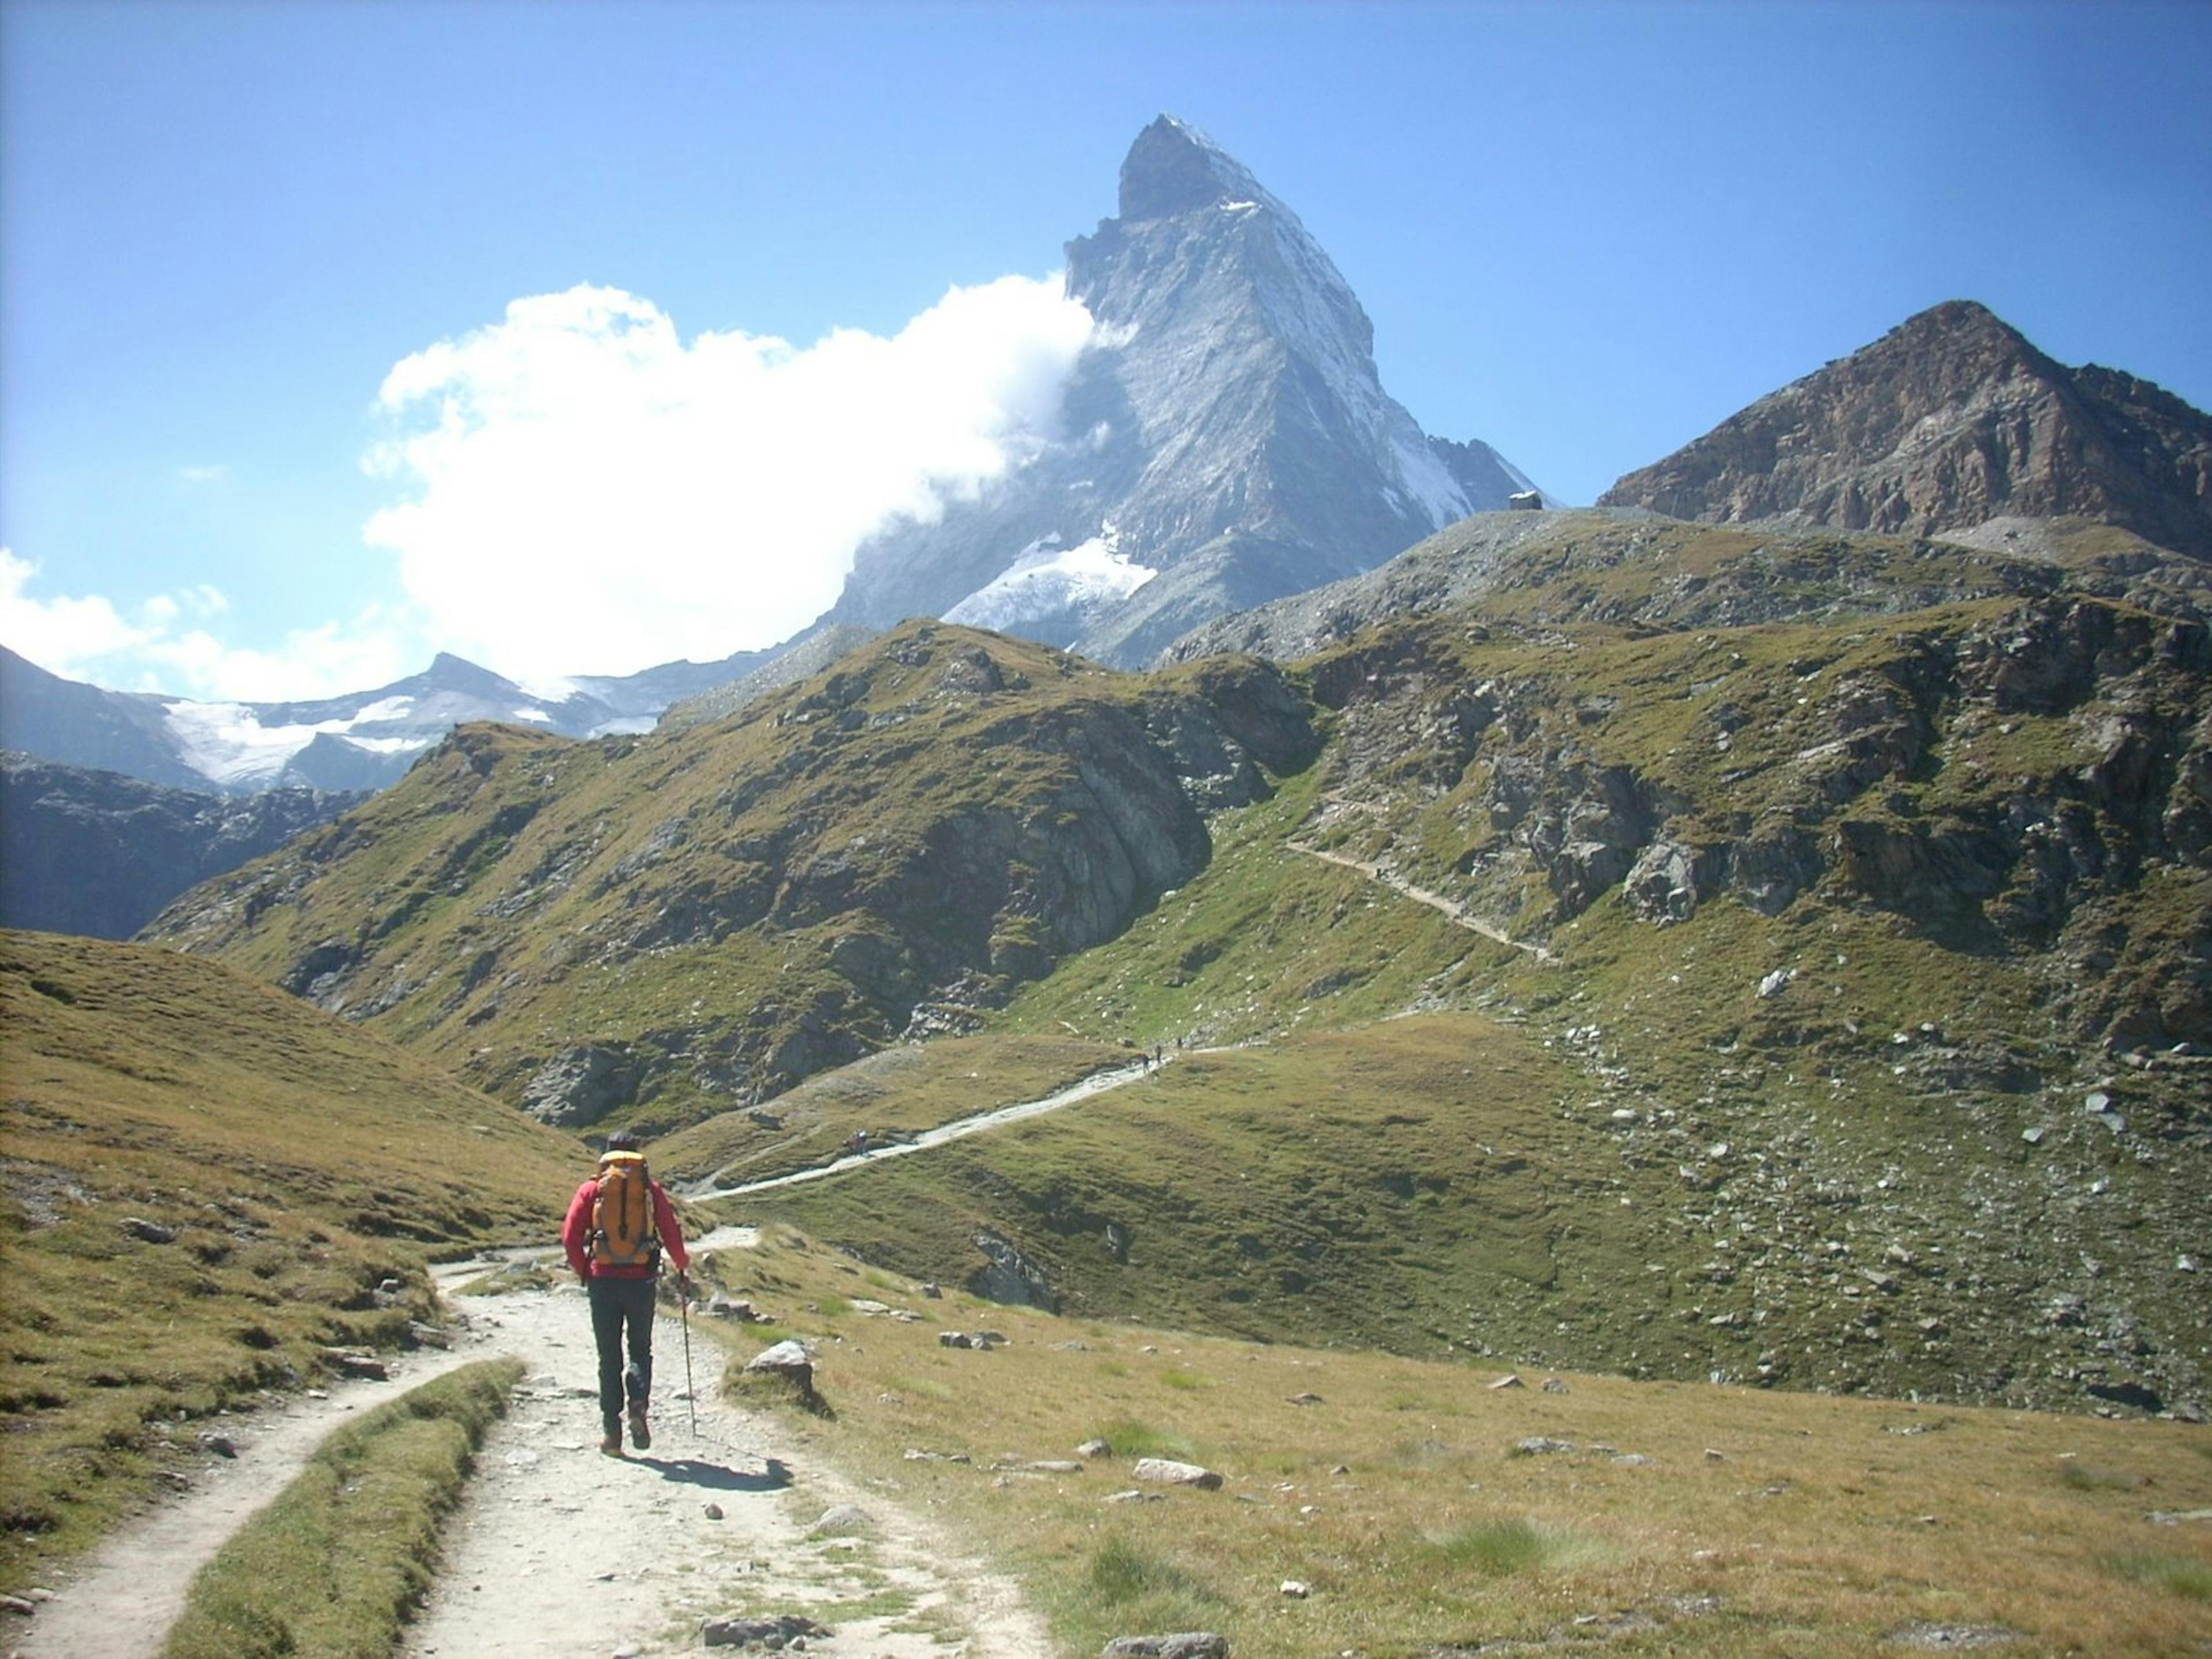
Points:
(959, 1129)
(559, 1551)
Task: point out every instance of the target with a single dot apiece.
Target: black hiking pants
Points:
(620, 1307)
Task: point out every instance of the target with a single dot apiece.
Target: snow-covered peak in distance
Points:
(361, 740)
(1229, 425)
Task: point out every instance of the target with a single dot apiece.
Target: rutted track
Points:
(559, 1551)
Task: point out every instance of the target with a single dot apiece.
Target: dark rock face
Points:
(1009, 1277)
(1228, 431)
(100, 854)
(1948, 420)
(580, 1087)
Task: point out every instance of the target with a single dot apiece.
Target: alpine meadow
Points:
(1633, 1078)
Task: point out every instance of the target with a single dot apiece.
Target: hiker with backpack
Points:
(617, 1226)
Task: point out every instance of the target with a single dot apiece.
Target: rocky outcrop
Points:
(1950, 420)
(1007, 1276)
(2009, 784)
(100, 854)
(581, 1086)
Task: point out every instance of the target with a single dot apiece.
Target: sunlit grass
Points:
(1723, 1521)
(330, 1569)
(212, 1185)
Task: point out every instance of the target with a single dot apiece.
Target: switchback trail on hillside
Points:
(1451, 908)
(560, 1552)
(1096, 1082)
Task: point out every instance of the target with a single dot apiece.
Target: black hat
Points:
(623, 1141)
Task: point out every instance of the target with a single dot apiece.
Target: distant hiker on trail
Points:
(617, 1226)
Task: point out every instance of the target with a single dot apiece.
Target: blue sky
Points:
(1584, 234)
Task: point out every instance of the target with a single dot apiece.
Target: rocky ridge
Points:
(1950, 420)
(1625, 567)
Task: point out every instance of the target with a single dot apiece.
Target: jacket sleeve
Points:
(672, 1235)
(575, 1227)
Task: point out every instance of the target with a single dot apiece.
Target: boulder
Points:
(1662, 885)
(843, 1520)
(1184, 1644)
(788, 1360)
(1166, 1472)
(1009, 1277)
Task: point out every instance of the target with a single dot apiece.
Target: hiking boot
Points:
(611, 1445)
(639, 1435)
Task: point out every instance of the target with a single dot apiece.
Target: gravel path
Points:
(958, 1129)
(120, 1602)
(1452, 909)
(559, 1550)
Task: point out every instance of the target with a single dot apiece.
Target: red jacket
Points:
(576, 1232)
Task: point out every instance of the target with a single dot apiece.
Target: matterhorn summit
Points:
(1224, 440)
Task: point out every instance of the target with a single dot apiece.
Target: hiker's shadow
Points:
(718, 1477)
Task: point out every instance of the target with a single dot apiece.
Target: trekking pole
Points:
(691, 1393)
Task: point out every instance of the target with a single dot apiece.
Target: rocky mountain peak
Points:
(1228, 440)
(1949, 421)
(1173, 167)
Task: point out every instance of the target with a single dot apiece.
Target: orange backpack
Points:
(622, 1231)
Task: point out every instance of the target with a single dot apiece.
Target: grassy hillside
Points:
(1849, 1145)
(1650, 1518)
(652, 930)
(209, 1186)
(1825, 920)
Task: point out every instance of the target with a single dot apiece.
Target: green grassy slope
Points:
(715, 914)
(1841, 903)
(207, 1186)
(1851, 1135)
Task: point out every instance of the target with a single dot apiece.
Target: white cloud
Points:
(165, 649)
(60, 634)
(215, 472)
(588, 493)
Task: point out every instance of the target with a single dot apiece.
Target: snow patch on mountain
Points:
(1429, 482)
(1047, 580)
(227, 743)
